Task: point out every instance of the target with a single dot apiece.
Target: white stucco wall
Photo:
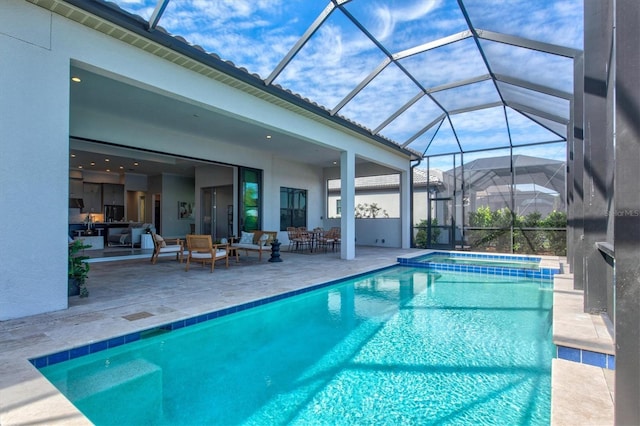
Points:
(388, 202)
(300, 176)
(374, 232)
(37, 49)
(34, 178)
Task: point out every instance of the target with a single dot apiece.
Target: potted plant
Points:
(78, 269)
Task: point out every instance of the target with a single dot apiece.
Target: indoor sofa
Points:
(128, 235)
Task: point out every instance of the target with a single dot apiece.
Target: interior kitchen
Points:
(105, 214)
(118, 196)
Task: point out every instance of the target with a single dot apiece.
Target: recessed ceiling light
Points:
(121, 167)
(136, 163)
(80, 166)
(108, 170)
(73, 156)
(93, 163)
(268, 136)
(107, 160)
(76, 79)
(335, 162)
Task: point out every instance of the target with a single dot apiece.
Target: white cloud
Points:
(386, 18)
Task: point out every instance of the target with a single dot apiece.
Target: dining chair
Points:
(292, 233)
(304, 238)
(324, 239)
(335, 235)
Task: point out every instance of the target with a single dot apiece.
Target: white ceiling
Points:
(102, 94)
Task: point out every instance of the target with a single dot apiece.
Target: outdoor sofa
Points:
(258, 241)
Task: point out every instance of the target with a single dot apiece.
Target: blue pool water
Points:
(401, 346)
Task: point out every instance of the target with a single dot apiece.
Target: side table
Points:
(233, 251)
(146, 241)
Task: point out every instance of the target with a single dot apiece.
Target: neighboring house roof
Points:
(420, 179)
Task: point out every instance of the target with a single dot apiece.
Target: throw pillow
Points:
(263, 239)
(161, 240)
(246, 238)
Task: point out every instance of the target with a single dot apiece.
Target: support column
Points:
(348, 197)
(627, 213)
(598, 134)
(405, 207)
(575, 241)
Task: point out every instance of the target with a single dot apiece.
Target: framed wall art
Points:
(185, 210)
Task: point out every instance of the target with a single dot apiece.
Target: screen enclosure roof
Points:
(430, 76)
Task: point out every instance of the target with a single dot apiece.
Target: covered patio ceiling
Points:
(434, 77)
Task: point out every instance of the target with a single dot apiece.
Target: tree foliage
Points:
(370, 211)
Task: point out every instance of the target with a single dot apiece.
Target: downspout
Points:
(413, 166)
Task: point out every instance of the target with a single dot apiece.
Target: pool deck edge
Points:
(579, 331)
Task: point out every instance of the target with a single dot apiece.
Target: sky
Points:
(257, 34)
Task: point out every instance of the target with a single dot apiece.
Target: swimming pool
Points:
(403, 345)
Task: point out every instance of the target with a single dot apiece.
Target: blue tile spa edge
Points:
(66, 355)
(541, 273)
(584, 356)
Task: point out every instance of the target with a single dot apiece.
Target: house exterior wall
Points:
(389, 201)
(300, 176)
(373, 232)
(34, 178)
(37, 49)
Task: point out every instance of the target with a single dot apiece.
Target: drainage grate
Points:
(137, 316)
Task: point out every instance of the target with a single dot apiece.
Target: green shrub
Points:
(78, 268)
(556, 240)
(528, 240)
(422, 235)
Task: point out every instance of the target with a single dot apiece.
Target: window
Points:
(250, 199)
(293, 207)
(339, 207)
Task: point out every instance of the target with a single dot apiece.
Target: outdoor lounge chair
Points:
(160, 245)
(202, 250)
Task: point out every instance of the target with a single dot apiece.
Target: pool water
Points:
(400, 346)
(479, 261)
